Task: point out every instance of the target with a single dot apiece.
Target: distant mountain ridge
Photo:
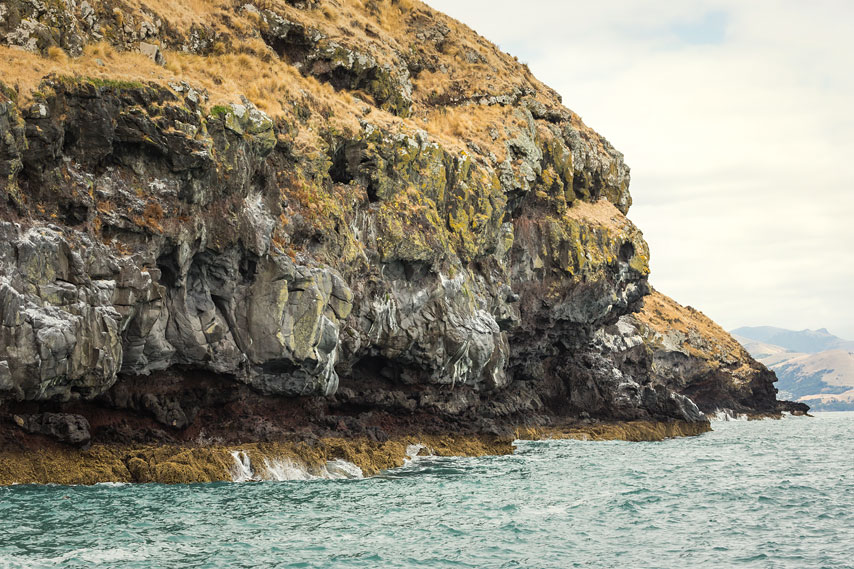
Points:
(763, 350)
(813, 366)
(803, 341)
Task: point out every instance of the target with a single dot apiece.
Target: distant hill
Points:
(760, 350)
(803, 341)
(813, 366)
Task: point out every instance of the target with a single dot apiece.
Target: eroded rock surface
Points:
(214, 266)
(679, 348)
(64, 427)
(163, 256)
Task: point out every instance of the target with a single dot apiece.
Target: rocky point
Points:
(296, 221)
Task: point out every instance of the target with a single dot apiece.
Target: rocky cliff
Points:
(680, 347)
(235, 222)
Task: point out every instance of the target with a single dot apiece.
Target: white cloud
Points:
(736, 118)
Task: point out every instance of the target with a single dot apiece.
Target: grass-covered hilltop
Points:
(316, 229)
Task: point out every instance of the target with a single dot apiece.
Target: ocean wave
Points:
(281, 469)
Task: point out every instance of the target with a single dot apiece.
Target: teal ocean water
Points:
(769, 494)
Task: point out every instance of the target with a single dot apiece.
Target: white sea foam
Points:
(790, 415)
(241, 470)
(412, 453)
(285, 469)
(282, 469)
(339, 468)
(726, 415)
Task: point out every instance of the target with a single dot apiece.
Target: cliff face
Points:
(680, 347)
(247, 221)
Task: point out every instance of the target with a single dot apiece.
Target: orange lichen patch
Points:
(152, 216)
(105, 206)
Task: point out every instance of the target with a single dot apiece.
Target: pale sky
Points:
(737, 119)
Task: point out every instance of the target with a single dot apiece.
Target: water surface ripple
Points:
(750, 494)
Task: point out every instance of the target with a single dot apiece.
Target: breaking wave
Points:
(726, 415)
(282, 469)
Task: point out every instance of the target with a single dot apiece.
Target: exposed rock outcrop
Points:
(393, 227)
(680, 348)
(64, 427)
(163, 257)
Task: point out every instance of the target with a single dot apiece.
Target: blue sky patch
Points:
(709, 29)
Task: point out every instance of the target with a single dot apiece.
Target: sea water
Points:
(770, 494)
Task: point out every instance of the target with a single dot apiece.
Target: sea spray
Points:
(285, 469)
(241, 470)
(282, 469)
(726, 415)
(412, 453)
(339, 469)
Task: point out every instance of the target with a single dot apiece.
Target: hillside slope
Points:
(822, 378)
(760, 350)
(802, 341)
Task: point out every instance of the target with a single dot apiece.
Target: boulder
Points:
(64, 427)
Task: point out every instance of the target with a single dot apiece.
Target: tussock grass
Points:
(664, 315)
(462, 64)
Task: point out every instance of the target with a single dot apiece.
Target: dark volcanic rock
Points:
(444, 317)
(793, 407)
(680, 348)
(169, 267)
(64, 427)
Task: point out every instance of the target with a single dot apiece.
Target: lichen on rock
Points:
(381, 231)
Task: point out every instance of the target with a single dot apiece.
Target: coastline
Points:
(54, 463)
(631, 431)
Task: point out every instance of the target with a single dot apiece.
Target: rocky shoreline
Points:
(45, 461)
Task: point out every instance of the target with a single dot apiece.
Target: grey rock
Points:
(482, 307)
(152, 52)
(64, 427)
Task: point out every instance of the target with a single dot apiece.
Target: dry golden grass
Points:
(243, 64)
(185, 13)
(663, 314)
(602, 213)
(57, 54)
(24, 71)
(392, 15)
(271, 85)
(481, 124)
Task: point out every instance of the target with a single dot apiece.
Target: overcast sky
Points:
(737, 119)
